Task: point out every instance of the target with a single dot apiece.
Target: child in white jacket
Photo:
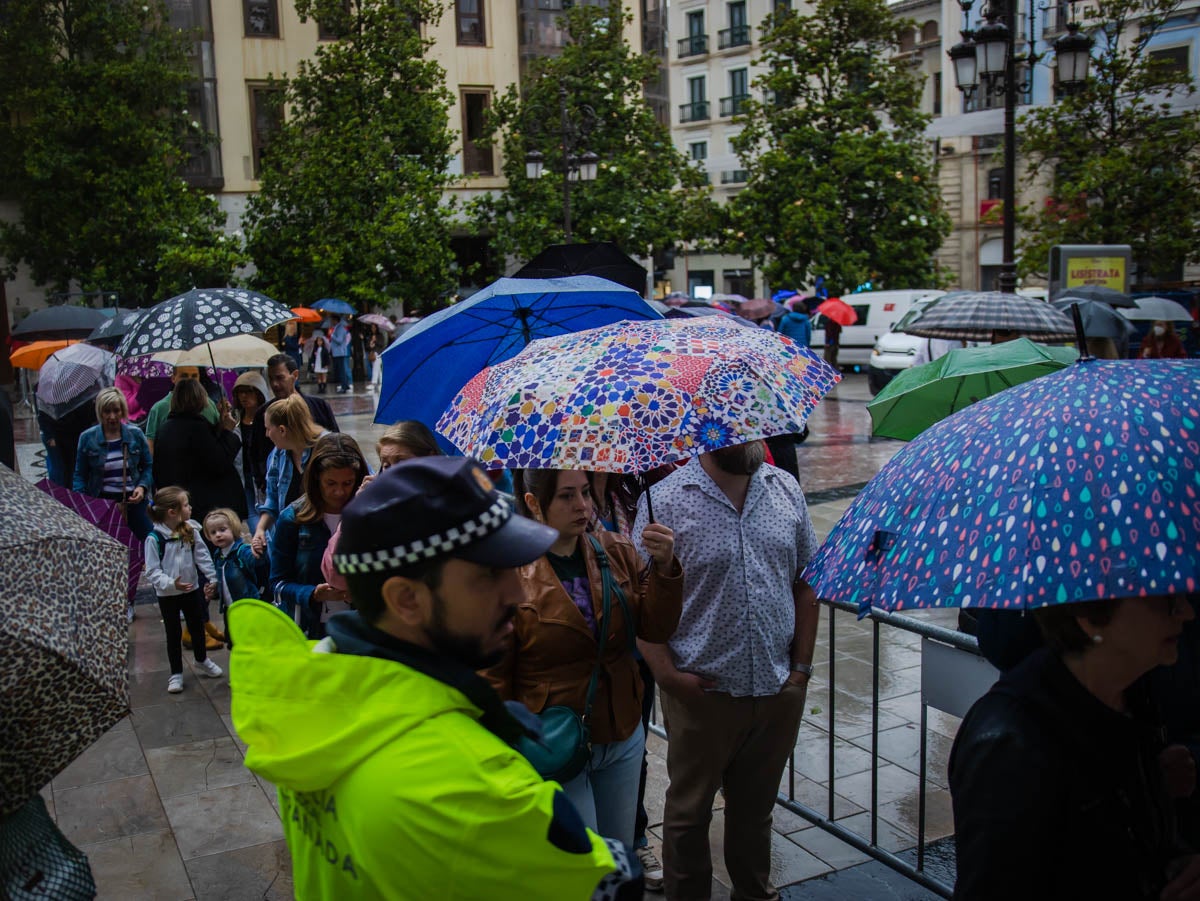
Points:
(175, 555)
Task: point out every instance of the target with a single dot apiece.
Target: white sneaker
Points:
(652, 869)
(208, 668)
(175, 684)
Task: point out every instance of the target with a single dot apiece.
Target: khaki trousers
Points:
(742, 744)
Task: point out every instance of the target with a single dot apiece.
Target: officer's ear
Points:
(405, 600)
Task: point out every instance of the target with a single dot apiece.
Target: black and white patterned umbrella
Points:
(975, 315)
(199, 316)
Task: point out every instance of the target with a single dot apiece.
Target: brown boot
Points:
(213, 644)
(215, 634)
(187, 638)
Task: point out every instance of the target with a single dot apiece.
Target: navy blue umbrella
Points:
(333, 305)
(425, 368)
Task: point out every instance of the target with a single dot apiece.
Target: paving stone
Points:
(870, 881)
(223, 819)
(139, 866)
(104, 811)
(178, 724)
(258, 873)
(116, 754)
(197, 766)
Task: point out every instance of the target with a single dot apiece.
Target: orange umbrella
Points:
(306, 315)
(839, 311)
(35, 353)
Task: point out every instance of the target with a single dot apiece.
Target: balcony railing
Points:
(735, 105)
(694, 112)
(737, 36)
(735, 176)
(694, 45)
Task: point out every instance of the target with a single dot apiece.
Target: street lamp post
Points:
(576, 166)
(986, 60)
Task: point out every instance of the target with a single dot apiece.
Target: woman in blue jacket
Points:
(333, 475)
(113, 461)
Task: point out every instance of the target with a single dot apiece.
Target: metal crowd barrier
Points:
(953, 676)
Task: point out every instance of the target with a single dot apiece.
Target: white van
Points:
(877, 312)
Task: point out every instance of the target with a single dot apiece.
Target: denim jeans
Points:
(606, 793)
(341, 369)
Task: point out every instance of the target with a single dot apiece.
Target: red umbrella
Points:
(839, 311)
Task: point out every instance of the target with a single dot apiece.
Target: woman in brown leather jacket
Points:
(555, 639)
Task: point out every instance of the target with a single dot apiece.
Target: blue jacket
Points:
(296, 550)
(798, 327)
(280, 473)
(90, 454)
(339, 340)
(237, 571)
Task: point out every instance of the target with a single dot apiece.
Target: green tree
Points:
(842, 183)
(351, 202)
(646, 193)
(1121, 159)
(92, 132)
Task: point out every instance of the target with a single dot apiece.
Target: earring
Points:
(1097, 639)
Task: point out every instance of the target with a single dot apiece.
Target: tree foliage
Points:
(351, 204)
(92, 133)
(646, 193)
(842, 182)
(1122, 161)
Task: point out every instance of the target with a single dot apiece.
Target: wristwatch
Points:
(805, 668)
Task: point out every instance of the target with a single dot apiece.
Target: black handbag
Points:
(565, 747)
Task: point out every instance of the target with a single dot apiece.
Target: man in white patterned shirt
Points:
(735, 674)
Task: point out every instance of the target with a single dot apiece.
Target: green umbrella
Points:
(923, 395)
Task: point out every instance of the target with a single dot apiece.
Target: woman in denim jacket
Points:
(113, 461)
(290, 427)
(333, 475)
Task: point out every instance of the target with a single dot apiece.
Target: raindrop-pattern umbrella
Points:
(1076, 486)
(976, 315)
(632, 396)
(63, 638)
(199, 316)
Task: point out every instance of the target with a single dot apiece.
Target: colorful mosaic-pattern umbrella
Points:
(1079, 485)
(635, 395)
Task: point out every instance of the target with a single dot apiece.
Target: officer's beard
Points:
(465, 649)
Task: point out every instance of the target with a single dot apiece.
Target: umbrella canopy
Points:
(74, 376)
(107, 517)
(758, 309)
(731, 299)
(116, 326)
(975, 315)
(35, 354)
(677, 299)
(1098, 293)
(692, 312)
(838, 310)
(918, 397)
(1158, 308)
(603, 260)
(333, 305)
(1076, 486)
(307, 316)
(63, 638)
(199, 316)
(635, 395)
(425, 367)
(379, 321)
(237, 352)
(55, 323)
(1099, 319)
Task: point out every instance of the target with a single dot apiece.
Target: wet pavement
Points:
(164, 808)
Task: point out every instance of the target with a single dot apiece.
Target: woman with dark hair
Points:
(561, 625)
(189, 453)
(1162, 343)
(333, 474)
(1060, 781)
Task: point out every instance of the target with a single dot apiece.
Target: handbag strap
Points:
(609, 588)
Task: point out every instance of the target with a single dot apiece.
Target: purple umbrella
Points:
(107, 517)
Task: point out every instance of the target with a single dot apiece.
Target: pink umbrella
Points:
(107, 517)
(375, 319)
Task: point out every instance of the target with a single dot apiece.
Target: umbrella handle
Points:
(649, 502)
(1080, 338)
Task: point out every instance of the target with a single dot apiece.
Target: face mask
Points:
(1159, 331)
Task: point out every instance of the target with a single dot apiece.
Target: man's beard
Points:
(465, 650)
(741, 459)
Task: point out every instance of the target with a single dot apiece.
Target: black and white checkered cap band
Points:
(446, 542)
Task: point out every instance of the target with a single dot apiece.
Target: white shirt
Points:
(739, 614)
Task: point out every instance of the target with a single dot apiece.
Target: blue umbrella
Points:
(424, 368)
(333, 305)
(1079, 485)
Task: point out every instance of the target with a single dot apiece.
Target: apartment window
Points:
(1172, 60)
(468, 17)
(700, 278)
(737, 14)
(739, 82)
(937, 93)
(262, 18)
(477, 158)
(266, 119)
(695, 24)
(698, 151)
(696, 109)
(929, 32)
(696, 90)
(995, 184)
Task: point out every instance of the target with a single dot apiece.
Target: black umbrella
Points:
(1099, 293)
(603, 259)
(1099, 319)
(116, 327)
(58, 323)
(199, 316)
